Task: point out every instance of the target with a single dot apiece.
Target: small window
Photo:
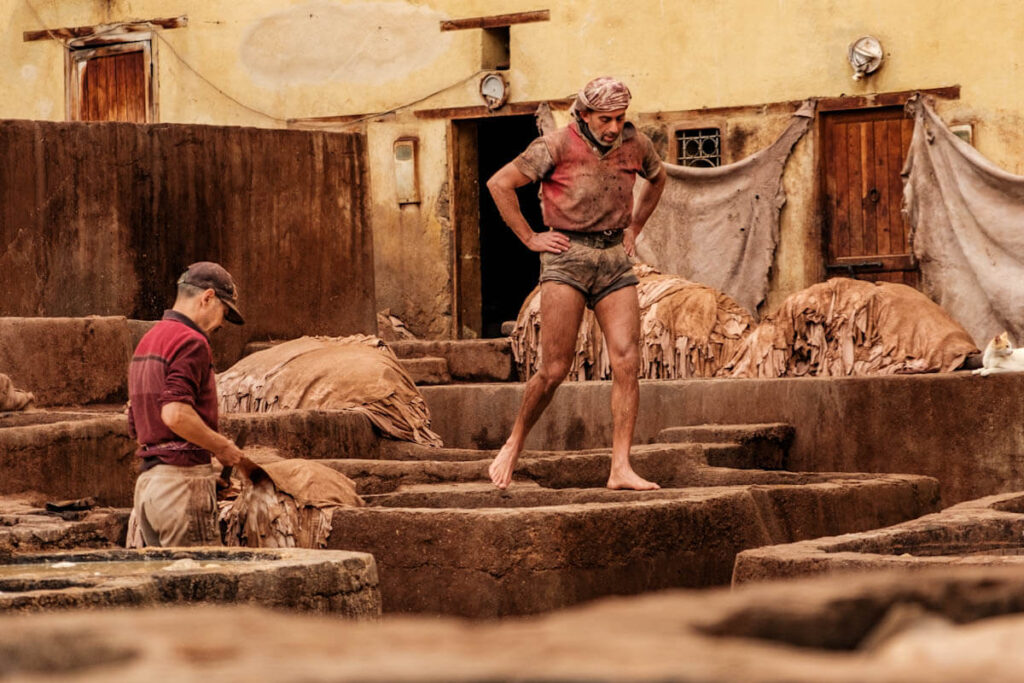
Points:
(111, 81)
(700, 147)
(495, 54)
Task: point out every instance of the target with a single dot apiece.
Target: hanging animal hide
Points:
(719, 226)
(967, 221)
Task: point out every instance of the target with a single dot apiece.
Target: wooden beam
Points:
(735, 110)
(885, 99)
(510, 109)
(476, 112)
(73, 32)
(496, 20)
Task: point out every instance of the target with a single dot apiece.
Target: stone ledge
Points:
(761, 446)
(427, 370)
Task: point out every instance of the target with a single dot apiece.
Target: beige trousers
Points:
(176, 506)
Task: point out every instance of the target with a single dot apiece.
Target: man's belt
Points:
(173, 445)
(595, 240)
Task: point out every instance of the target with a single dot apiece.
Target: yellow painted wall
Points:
(262, 62)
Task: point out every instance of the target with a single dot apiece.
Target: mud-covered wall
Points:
(100, 219)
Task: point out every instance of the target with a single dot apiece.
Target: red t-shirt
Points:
(583, 189)
(172, 363)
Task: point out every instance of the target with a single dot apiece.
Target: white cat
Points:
(1000, 356)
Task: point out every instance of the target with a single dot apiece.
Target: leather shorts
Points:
(595, 264)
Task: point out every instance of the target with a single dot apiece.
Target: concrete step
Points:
(744, 446)
(427, 370)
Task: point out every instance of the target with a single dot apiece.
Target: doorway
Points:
(494, 271)
(866, 235)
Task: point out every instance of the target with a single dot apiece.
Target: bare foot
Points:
(503, 466)
(628, 479)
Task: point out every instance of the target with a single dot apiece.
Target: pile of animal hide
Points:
(11, 398)
(850, 327)
(286, 504)
(720, 226)
(967, 217)
(687, 330)
(357, 373)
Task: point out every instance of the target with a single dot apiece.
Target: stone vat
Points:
(325, 581)
(988, 531)
(447, 543)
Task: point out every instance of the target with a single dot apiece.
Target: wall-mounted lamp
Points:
(865, 55)
(494, 91)
(407, 186)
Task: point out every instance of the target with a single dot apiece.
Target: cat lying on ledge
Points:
(1000, 356)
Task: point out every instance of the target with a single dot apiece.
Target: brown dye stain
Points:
(658, 136)
(737, 141)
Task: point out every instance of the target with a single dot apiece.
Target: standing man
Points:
(172, 394)
(586, 172)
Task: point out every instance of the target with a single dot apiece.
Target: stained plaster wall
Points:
(413, 256)
(266, 61)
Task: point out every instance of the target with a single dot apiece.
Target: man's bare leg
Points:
(561, 309)
(619, 317)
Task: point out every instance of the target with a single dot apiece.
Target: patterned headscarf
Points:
(602, 94)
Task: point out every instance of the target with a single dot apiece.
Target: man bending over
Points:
(172, 411)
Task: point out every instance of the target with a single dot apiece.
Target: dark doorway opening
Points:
(508, 270)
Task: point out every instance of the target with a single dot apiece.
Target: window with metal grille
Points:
(699, 147)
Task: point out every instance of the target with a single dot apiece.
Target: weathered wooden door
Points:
(866, 234)
(111, 83)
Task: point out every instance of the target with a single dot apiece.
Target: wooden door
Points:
(111, 83)
(465, 215)
(866, 234)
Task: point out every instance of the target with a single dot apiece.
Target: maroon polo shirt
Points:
(172, 363)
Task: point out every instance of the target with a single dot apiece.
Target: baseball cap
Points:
(210, 275)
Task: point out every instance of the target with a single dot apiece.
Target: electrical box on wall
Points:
(407, 186)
